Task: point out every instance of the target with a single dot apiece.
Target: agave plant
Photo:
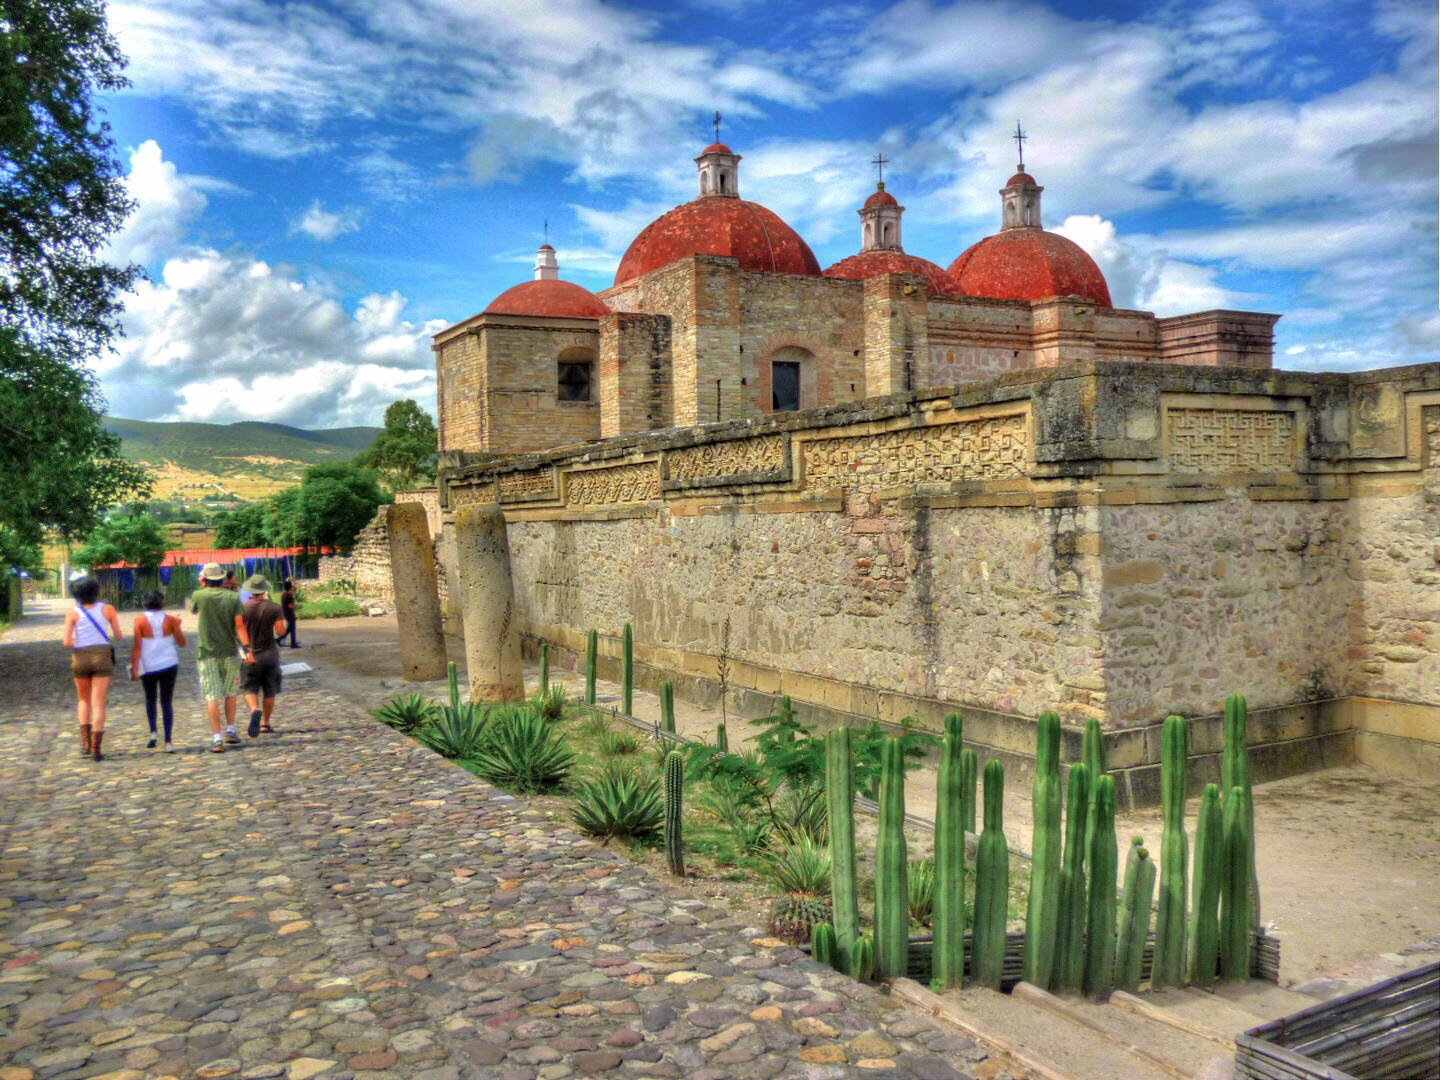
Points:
(523, 753)
(456, 731)
(619, 803)
(619, 743)
(801, 867)
(407, 714)
(550, 701)
(921, 882)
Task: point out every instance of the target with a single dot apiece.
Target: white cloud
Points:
(325, 225)
(166, 204)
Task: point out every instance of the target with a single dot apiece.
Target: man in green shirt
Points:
(221, 632)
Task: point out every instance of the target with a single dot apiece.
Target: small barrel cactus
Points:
(793, 917)
(862, 958)
(822, 944)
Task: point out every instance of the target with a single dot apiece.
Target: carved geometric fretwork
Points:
(1230, 440)
(613, 485)
(472, 493)
(989, 449)
(739, 460)
(527, 486)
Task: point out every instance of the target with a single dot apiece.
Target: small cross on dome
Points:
(1020, 138)
(716, 122)
(880, 161)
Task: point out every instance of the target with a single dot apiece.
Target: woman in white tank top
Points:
(155, 661)
(91, 630)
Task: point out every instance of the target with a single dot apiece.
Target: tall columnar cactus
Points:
(969, 778)
(1235, 921)
(544, 668)
(823, 947)
(1235, 773)
(592, 655)
(1092, 753)
(892, 892)
(1209, 873)
(1134, 918)
(840, 806)
(627, 671)
(1042, 916)
(1169, 965)
(992, 883)
(1100, 925)
(949, 910)
(453, 674)
(674, 804)
(862, 958)
(667, 706)
(1070, 940)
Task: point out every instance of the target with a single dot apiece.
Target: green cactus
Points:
(1134, 918)
(544, 667)
(1070, 941)
(722, 740)
(1092, 753)
(840, 806)
(1042, 915)
(862, 958)
(1100, 925)
(1235, 921)
(949, 902)
(1235, 772)
(627, 671)
(1169, 965)
(992, 884)
(1209, 873)
(822, 944)
(592, 655)
(674, 799)
(453, 674)
(794, 917)
(667, 706)
(969, 777)
(892, 890)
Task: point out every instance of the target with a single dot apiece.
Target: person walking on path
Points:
(288, 609)
(155, 661)
(221, 632)
(92, 659)
(260, 677)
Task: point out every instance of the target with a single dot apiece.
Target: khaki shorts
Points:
(220, 677)
(92, 660)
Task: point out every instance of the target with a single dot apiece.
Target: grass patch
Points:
(334, 607)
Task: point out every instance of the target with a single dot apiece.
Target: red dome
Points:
(870, 264)
(1027, 264)
(550, 297)
(716, 225)
(1021, 178)
(716, 148)
(881, 198)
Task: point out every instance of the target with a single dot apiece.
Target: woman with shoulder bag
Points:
(92, 659)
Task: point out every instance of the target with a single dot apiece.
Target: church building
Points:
(720, 311)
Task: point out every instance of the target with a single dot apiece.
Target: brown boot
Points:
(84, 740)
(95, 745)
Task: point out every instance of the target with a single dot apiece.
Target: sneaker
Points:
(217, 747)
(151, 744)
(231, 738)
(254, 723)
(169, 749)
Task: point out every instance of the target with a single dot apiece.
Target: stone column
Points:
(417, 601)
(487, 602)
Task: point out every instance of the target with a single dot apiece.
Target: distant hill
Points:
(246, 460)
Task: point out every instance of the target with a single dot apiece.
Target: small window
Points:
(785, 386)
(574, 381)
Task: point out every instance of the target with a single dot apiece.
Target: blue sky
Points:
(321, 186)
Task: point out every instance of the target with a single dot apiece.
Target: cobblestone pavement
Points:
(335, 900)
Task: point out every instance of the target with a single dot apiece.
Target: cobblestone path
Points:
(335, 901)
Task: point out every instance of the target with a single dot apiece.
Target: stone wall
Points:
(1115, 540)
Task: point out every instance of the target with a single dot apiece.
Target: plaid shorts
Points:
(220, 677)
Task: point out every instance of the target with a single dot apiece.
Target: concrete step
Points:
(1263, 999)
(1200, 1008)
(1181, 1052)
(1068, 1047)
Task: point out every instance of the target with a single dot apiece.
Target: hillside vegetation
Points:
(249, 460)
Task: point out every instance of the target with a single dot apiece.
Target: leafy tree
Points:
(336, 502)
(61, 198)
(404, 453)
(283, 527)
(242, 528)
(136, 539)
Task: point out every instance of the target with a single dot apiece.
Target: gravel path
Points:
(335, 900)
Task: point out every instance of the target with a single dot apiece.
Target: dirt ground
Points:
(1348, 858)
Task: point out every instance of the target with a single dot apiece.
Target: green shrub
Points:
(336, 607)
(550, 701)
(619, 803)
(619, 743)
(455, 731)
(921, 881)
(407, 714)
(801, 867)
(523, 753)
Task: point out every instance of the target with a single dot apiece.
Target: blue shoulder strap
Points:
(93, 623)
